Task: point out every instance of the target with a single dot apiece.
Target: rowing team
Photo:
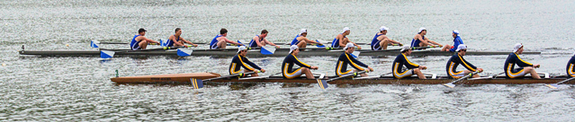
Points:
(398, 70)
(379, 42)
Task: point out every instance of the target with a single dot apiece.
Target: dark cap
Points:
(141, 30)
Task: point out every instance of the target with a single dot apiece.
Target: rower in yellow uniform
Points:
(457, 59)
(240, 60)
(341, 40)
(402, 60)
(570, 67)
(291, 59)
(345, 58)
(524, 67)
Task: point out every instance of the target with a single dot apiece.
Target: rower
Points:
(301, 39)
(524, 67)
(570, 65)
(345, 58)
(380, 41)
(241, 60)
(220, 41)
(176, 40)
(260, 40)
(140, 42)
(291, 59)
(421, 41)
(456, 41)
(341, 40)
(402, 60)
(457, 59)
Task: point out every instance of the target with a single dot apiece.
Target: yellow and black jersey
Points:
(400, 61)
(242, 62)
(570, 69)
(454, 61)
(510, 70)
(344, 60)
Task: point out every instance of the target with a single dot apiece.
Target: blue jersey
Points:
(242, 62)
(454, 61)
(344, 60)
(214, 43)
(456, 42)
(295, 41)
(415, 42)
(510, 62)
(253, 42)
(335, 42)
(170, 43)
(375, 43)
(134, 45)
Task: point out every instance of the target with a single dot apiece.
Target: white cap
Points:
(349, 45)
(461, 47)
(456, 32)
(242, 48)
(405, 47)
(303, 31)
(382, 28)
(421, 29)
(516, 47)
(345, 29)
(292, 48)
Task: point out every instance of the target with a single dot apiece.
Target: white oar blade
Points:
(94, 44)
(184, 52)
(107, 54)
(268, 50)
(450, 85)
(553, 86)
(355, 54)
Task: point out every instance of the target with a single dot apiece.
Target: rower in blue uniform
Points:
(301, 40)
(421, 41)
(570, 65)
(401, 60)
(346, 59)
(240, 60)
(220, 41)
(380, 40)
(524, 67)
(291, 59)
(176, 40)
(456, 41)
(341, 40)
(457, 59)
(140, 42)
(260, 40)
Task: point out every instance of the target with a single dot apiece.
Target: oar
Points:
(198, 83)
(323, 83)
(319, 45)
(268, 50)
(451, 84)
(94, 44)
(556, 85)
(495, 76)
(106, 54)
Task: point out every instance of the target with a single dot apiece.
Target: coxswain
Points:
(301, 40)
(380, 40)
(260, 40)
(177, 41)
(458, 59)
(140, 42)
(456, 41)
(346, 59)
(421, 41)
(240, 60)
(524, 67)
(291, 59)
(570, 65)
(220, 41)
(341, 40)
(401, 60)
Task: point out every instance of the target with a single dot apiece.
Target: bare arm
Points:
(186, 41)
(229, 41)
(272, 44)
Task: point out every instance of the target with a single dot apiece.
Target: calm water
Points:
(79, 89)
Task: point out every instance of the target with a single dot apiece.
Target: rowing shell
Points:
(185, 79)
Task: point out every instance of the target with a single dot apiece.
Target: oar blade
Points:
(184, 52)
(94, 44)
(450, 85)
(162, 43)
(197, 83)
(105, 54)
(268, 50)
(355, 54)
(322, 83)
(321, 45)
(553, 86)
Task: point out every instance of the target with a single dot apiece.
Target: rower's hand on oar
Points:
(195, 45)
(314, 67)
(370, 69)
(400, 44)
(262, 70)
(358, 47)
(423, 67)
(479, 70)
(277, 46)
(536, 66)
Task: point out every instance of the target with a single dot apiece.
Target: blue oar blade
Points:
(240, 43)
(450, 85)
(267, 50)
(322, 83)
(94, 44)
(162, 43)
(184, 52)
(320, 46)
(197, 83)
(553, 86)
(106, 54)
